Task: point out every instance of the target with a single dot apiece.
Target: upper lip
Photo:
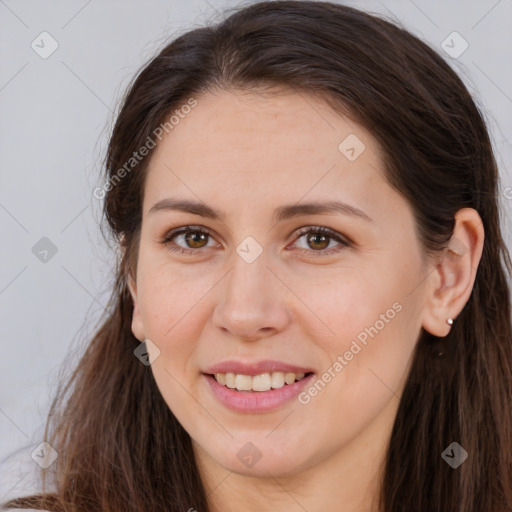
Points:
(255, 368)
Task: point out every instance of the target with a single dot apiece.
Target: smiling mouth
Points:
(258, 383)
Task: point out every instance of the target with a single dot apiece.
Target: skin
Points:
(247, 154)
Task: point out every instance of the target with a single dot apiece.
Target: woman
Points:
(311, 309)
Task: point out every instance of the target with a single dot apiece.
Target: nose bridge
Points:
(249, 304)
(249, 269)
(249, 273)
(247, 285)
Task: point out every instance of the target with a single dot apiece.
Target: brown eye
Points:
(196, 239)
(318, 241)
(188, 239)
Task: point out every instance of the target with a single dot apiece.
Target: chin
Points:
(265, 463)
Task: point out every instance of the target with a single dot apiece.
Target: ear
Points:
(451, 282)
(137, 323)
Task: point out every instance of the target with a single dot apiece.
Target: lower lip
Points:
(256, 401)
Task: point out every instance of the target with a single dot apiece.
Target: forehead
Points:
(245, 147)
(281, 120)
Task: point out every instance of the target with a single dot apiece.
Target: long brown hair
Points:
(121, 448)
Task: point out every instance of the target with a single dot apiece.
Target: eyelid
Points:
(342, 240)
(167, 238)
(324, 230)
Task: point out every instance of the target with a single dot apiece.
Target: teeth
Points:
(289, 378)
(243, 382)
(262, 382)
(277, 379)
(230, 380)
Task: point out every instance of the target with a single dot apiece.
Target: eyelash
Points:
(332, 235)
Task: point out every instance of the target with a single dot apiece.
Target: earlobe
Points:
(137, 324)
(451, 281)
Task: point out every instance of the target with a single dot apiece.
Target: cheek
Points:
(350, 305)
(172, 310)
(370, 319)
(376, 321)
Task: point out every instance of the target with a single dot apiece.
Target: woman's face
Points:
(259, 297)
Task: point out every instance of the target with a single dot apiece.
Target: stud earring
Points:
(449, 321)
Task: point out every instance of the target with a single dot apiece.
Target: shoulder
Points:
(20, 476)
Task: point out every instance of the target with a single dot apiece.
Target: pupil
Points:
(321, 237)
(195, 237)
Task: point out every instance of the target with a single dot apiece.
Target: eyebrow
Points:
(280, 214)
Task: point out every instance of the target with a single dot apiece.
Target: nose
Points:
(253, 303)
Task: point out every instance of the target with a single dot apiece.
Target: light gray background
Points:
(55, 117)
